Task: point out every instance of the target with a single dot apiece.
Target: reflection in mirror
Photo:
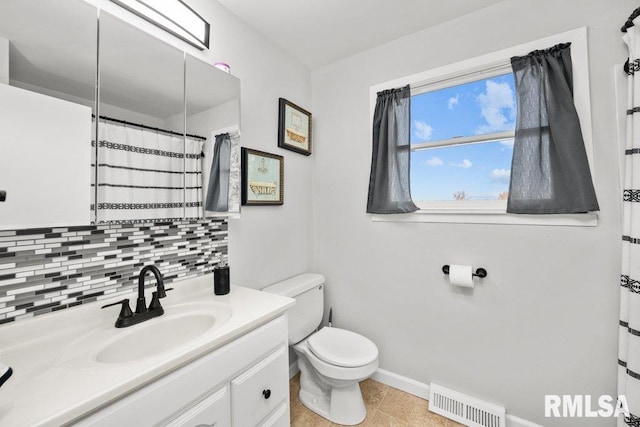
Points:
(141, 156)
(47, 93)
(213, 107)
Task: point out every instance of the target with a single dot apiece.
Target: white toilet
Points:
(332, 361)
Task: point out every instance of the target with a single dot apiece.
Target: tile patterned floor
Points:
(386, 407)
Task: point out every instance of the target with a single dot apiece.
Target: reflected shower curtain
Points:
(629, 350)
(140, 175)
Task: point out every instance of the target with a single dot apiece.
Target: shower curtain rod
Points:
(629, 22)
(139, 125)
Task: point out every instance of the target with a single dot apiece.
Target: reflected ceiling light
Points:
(173, 16)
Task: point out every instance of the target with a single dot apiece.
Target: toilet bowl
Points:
(330, 389)
(332, 361)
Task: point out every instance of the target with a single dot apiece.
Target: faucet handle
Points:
(155, 299)
(125, 311)
(162, 291)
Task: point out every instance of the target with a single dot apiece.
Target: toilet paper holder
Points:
(480, 272)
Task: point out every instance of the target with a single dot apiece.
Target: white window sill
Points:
(490, 216)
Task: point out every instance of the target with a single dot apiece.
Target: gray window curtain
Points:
(218, 193)
(389, 191)
(550, 171)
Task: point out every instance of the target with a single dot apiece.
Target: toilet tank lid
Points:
(295, 285)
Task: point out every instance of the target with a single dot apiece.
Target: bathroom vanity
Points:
(209, 360)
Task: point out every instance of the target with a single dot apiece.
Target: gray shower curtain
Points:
(389, 190)
(550, 171)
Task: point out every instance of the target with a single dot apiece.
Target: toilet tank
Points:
(306, 315)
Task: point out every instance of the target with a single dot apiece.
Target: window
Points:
(462, 128)
(462, 140)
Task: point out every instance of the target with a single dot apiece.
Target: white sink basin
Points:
(156, 336)
(180, 325)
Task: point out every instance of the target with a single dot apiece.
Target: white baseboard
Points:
(419, 389)
(513, 421)
(402, 383)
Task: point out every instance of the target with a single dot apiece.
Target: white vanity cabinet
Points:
(243, 383)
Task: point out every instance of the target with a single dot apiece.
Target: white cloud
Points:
(507, 143)
(497, 105)
(465, 164)
(422, 130)
(434, 161)
(500, 175)
(453, 101)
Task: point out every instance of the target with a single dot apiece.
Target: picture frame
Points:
(294, 128)
(262, 178)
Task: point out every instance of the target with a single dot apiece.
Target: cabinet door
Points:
(45, 162)
(260, 389)
(212, 411)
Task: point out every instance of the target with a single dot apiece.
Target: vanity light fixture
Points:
(173, 16)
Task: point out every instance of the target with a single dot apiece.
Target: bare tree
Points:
(460, 195)
(503, 196)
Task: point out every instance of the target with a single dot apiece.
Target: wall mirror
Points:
(47, 94)
(48, 164)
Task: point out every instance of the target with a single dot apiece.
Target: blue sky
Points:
(476, 108)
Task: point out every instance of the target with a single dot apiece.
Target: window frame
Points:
(482, 67)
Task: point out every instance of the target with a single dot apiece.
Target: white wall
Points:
(545, 319)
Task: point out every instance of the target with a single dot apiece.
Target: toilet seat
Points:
(343, 348)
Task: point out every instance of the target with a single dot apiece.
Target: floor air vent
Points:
(464, 409)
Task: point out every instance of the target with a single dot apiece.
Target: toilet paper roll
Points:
(461, 275)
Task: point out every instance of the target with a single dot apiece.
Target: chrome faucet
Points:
(127, 317)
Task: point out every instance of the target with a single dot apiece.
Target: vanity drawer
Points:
(260, 389)
(213, 411)
(279, 418)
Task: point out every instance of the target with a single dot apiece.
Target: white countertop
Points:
(56, 378)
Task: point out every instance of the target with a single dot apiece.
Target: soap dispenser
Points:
(221, 278)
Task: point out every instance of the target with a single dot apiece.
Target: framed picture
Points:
(262, 178)
(294, 128)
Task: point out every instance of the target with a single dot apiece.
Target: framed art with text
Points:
(262, 178)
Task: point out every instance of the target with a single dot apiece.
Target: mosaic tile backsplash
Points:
(49, 269)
